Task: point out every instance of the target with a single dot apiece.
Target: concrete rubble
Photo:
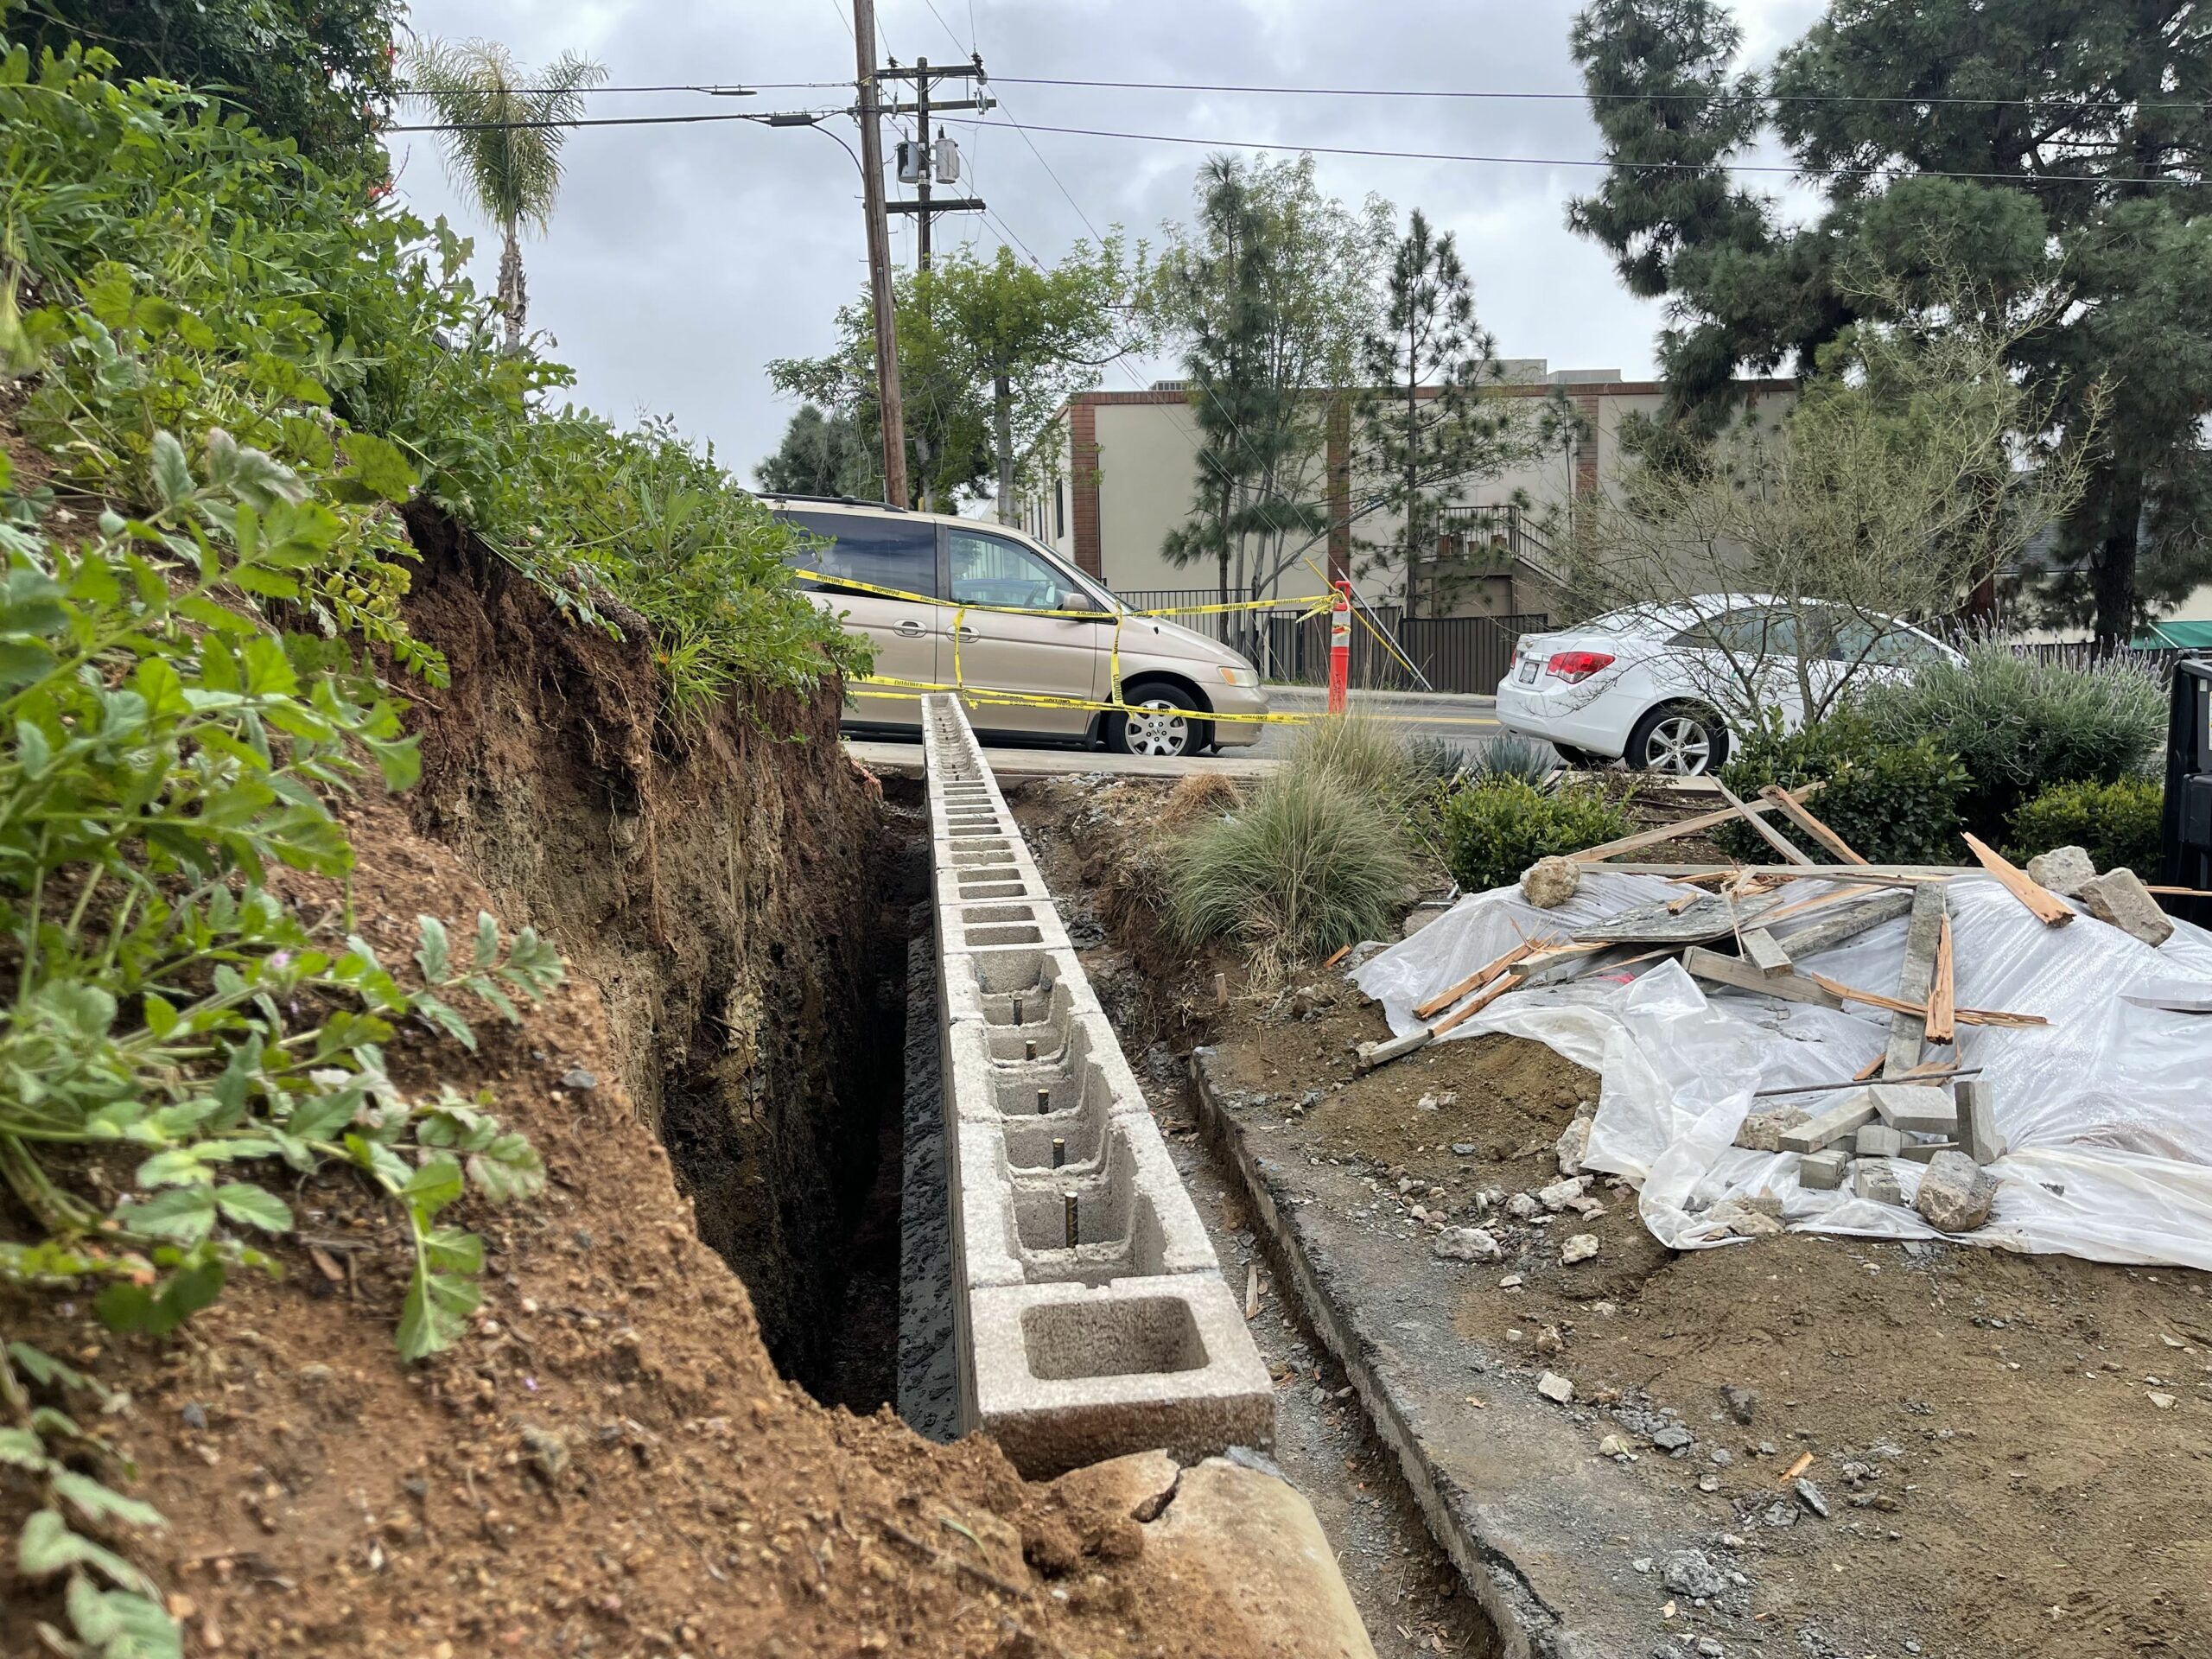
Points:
(1955, 1194)
(1550, 882)
(2119, 897)
(2064, 870)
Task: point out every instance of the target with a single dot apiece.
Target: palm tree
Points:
(505, 148)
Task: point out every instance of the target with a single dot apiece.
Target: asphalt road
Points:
(1465, 720)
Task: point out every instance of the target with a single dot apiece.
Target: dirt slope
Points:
(610, 1463)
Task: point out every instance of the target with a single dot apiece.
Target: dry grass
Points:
(1200, 794)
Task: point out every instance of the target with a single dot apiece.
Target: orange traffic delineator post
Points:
(1339, 646)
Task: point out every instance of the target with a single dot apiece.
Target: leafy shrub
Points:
(1895, 802)
(2018, 722)
(342, 342)
(1494, 830)
(2117, 823)
(1307, 867)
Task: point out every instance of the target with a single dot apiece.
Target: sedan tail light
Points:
(1575, 666)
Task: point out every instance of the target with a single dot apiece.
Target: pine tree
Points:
(2085, 138)
(1426, 431)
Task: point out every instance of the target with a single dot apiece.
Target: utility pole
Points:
(926, 206)
(893, 418)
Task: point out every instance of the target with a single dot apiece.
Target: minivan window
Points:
(886, 552)
(990, 571)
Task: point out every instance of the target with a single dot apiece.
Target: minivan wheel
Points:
(1680, 739)
(1159, 722)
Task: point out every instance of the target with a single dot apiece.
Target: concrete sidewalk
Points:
(884, 757)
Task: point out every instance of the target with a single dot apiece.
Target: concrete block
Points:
(1916, 1109)
(1875, 1179)
(1823, 1171)
(1045, 988)
(1068, 1375)
(1879, 1140)
(1922, 1152)
(2119, 897)
(1831, 1125)
(1978, 1121)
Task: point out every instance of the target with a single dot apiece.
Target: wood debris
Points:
(2047, 906)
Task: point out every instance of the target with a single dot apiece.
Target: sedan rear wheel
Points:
(1685, 743)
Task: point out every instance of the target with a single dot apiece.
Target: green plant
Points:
(1893, 801)
(1307, 867)
(2018, 722)
(2116, 824)
(1495, 828)
(1361, 753)
(1513, 757)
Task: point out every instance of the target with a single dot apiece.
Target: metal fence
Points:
(1454, 653)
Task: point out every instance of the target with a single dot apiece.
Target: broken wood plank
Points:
(1868, 1070)
(1480, 977)
(1789, 850)
(1735, 972)
(1997, 1017)
(1711, 916)
(2046, 906)
(1475, 1004)
(1371, 1055)
(1908, 1021)
(1943, 996)
(1872, 875)
(1761, 951)
(1793, 809)
(1816, 934)
(1667, 832)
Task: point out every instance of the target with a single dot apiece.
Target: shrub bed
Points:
(1494, 830)
(2117, 823)
(1894, 801)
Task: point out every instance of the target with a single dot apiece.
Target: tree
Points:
(319, 73)
(1425, 427)
(823, 455)
(2084, 144)
(506, 149)
(1894, 486)
(1272, 290)
(1033, 335)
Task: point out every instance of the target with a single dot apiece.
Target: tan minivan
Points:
(1184, 692)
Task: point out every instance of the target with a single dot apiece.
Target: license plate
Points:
(1528, 671)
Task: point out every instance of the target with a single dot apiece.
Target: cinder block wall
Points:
(1090, 1316)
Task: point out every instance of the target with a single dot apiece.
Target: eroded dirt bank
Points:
(609, 1461)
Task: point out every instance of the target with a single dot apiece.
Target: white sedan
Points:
(1648, 684)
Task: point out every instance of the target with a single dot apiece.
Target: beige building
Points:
(1113, 474)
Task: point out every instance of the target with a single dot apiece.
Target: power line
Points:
(1529, 161)
(765, 118)
(1491, 94)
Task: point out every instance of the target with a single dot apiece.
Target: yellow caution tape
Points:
(868, 687)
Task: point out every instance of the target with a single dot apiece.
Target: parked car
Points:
(1643, 685)
(1184, 692)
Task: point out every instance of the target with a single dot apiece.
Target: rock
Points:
(1762, 1129)
(1955, 1194)
(1573, 1142)
(1555, 1387)
(1672, 1438)
(1743, 1404)
(549, 1453)
(1511, 1281)
(577, 1078)
(1436, 1102)
(1463, 1149)
(2163, 1402)
(1521, 1206)
(1550, 882)
(1721, 1457)
(2118, 897)
(1580, 1247)
(1779, 1514)
(1614, 1447)
(194, 1415)
(1809, 1495)
(2062, 869)
(1690, 1573)
(1560, 1194)
(1641, 1564)
(1467, 1244)
(1740, 1217)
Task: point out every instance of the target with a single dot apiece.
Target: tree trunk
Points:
(2111, 577)
(514, 295)
(1412, 481)
(1002, 440)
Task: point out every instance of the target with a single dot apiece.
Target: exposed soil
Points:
(1981, 1425)
(609, 1462)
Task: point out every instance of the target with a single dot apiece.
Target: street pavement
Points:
(1465, 720)
(880, 756)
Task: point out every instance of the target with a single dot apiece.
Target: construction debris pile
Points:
(1883, 1049)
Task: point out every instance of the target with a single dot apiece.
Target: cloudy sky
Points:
(683, 258)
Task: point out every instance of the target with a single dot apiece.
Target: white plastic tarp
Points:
(2106, 1110)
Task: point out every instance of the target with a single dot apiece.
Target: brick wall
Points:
(1082, 462)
